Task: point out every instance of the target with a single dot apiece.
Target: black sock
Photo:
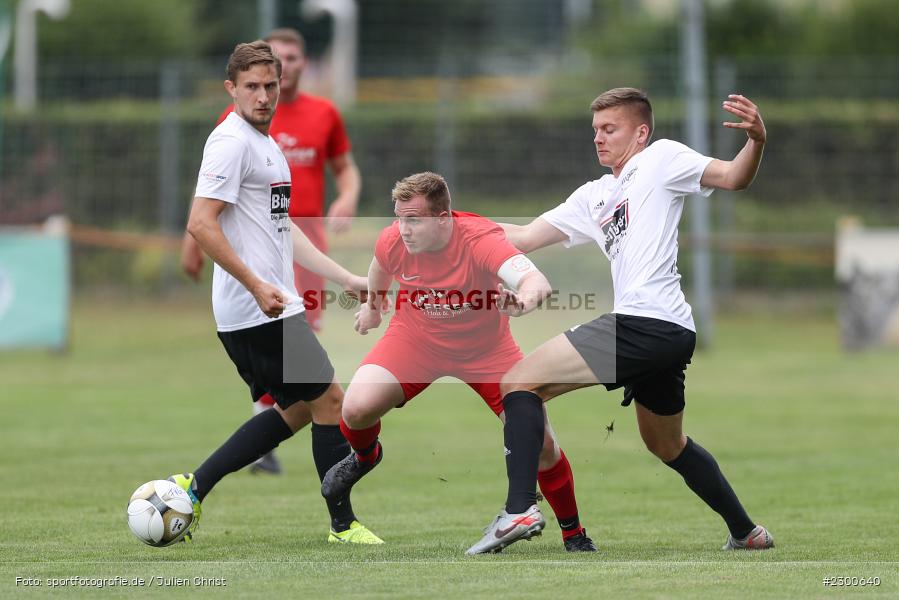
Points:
(523, 434)
(329, 447)
(702, 475)
(255, 438)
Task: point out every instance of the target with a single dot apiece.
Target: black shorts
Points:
(282, 358)
(648, 357)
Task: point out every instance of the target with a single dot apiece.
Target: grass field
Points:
(806, 434)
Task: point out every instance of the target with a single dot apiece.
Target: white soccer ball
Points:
(159, 513)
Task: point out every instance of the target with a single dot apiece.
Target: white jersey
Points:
(246, 169)
(634, 218)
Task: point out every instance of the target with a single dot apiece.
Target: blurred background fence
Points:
(494, 95)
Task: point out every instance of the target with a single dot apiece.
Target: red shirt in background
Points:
(310, 132)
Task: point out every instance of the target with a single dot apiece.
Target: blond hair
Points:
(287, 35)
(249, 54)
(430, 185)
(626, 96)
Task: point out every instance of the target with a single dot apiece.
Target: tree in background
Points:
(121, 30)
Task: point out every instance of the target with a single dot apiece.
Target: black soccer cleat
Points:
(268, 463)
(343, 476)
(580, 543)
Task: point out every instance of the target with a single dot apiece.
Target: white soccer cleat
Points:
(508, 528)
(758, 539)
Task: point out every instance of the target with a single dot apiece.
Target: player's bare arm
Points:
(348, 182)
(533, 236)
(192, 258)
(739, 173)
(309, 257)
(524, 287)
(369, 315)
(203, 225)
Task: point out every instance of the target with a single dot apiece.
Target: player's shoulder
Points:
(228, 135)
(389, 248)
(231, 126)
(663, 148)
(224, 114)
(587, 191)
(320, 103)
(390, 236)
(473, 225)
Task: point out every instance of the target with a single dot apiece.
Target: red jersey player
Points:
(310, 133)
(457, 277)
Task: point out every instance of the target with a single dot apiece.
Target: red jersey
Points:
(448, 298)
(310, 132)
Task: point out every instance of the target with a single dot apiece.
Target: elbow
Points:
(195, 227)
(522, 244)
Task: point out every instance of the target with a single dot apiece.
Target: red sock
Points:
(267, 400)
(557, 486)
(363, 441)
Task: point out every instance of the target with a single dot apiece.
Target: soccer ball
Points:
(159, 513)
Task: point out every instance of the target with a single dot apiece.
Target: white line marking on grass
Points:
(472, 561)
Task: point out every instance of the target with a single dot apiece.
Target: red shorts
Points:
(307, 281)
(416, 366)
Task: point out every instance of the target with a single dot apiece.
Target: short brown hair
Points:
(247, 55)
(287, 35)
(625, 96)
(430, 185)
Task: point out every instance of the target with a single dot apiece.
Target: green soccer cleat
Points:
(356, 534)
(187, 483)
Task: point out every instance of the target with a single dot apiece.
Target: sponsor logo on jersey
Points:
(440, 304)
(280, 205)
(300, 156)
(614, 229)
(295, 154)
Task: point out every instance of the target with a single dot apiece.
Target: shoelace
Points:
(494, 521)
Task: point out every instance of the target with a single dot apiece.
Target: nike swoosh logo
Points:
(410, 278)
(501, 533)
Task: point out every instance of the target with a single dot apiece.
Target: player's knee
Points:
(506, 385)
(356, 413)
(664, 449)
(296, 416)
(511, 382)
(327, 407)
(549, 454)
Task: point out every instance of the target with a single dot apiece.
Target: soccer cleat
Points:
(343, 476)
(356, 534)
(580, 542)
(187, 483)
(507, 529)
(758, 539)
(268, 463)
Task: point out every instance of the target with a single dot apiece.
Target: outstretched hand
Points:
(750, 119)
(508, 303)
(192, 258)
(368, 317)
(340, 216)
